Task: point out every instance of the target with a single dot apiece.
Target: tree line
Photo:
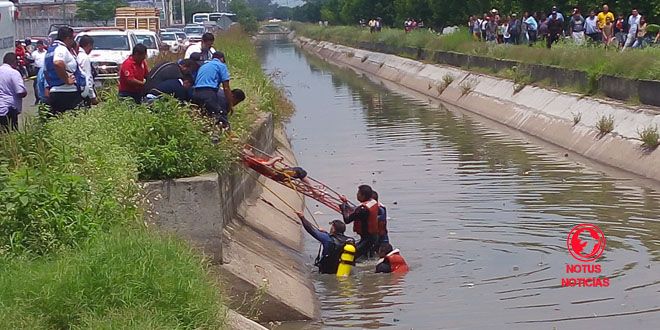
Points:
(440, 13)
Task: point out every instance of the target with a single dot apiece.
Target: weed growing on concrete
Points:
(577, 117)
(350, 54)
(605, 125)
(250, 307)
(650, 137)
(447, 79)
(467, 86)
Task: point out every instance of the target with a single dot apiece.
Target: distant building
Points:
(47, 8)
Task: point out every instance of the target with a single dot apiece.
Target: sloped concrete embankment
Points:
(255, 248)
(543, 113)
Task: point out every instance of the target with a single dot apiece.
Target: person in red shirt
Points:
(132, 74)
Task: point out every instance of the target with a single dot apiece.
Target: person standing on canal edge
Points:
(12, 92)
(63, 73)
(133, 73)
(332, 242)
(364, 218)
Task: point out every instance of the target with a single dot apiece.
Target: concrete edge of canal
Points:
(546, 114)
(253, 246)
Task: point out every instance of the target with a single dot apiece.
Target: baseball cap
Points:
(340, 226)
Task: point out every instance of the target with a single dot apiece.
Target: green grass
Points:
(596, 61)
(126, 278)
(74, 252)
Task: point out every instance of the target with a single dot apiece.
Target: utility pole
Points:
(183, 13)
(170, 10)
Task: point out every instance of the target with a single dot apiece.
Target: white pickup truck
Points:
(112, 46)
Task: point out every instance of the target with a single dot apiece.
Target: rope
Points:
(284, 201)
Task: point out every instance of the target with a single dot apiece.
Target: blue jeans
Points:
(137, 97)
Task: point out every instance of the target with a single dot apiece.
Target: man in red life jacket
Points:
(391, 260)
(364, 218)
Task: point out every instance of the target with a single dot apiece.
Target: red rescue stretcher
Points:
(290, 176)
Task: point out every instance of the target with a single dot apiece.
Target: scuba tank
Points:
(347, 260)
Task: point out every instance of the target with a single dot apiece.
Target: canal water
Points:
(480, 214)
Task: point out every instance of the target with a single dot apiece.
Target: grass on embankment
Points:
(74, 249)
(596, 61)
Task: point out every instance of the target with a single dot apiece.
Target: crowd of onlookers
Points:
(65, 78)
(411, 24)
(374, 24)
(593, 27)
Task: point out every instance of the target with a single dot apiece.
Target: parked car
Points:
(149, 39)
(194, 32)
(112, 46)
(184, 41)
(170, 39)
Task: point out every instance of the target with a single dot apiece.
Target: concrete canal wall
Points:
(543, 113)
(253, 247)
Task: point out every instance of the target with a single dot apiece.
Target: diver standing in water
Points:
(364, 218)
(333, 243)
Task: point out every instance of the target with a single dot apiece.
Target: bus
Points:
(200, 18)
(7, 27)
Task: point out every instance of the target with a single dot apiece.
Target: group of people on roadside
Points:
(598, 27)
(369, 220)
(65, 79)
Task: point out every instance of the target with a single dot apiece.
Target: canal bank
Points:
(567, 120)
(242, 223)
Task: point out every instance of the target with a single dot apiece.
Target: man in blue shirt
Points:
(332, 242)
(209, 78)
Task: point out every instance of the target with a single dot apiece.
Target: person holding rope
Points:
(364, 218)
(332, 242)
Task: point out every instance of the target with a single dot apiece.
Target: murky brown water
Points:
(481, 215)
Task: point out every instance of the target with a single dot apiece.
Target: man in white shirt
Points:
(12, 91)
(39, 57)
(63, 73)
(633, 25)
(86, 44)
(205, 48)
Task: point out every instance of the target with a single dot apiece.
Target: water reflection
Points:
(480, 215)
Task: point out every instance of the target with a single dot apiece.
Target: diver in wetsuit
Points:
(332, 242)
(364, 218)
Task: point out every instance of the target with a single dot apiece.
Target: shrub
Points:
(605, 124)
(125, 278)
(650, 137)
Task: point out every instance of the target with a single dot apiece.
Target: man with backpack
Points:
(333, 243)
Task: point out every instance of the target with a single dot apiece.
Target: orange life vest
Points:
(372, 220)
(397, 264)
(382, 224)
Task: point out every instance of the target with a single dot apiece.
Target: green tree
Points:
(244, 14)
(98, 10)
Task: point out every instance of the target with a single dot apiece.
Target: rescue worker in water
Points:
(364, 218)
(333, 243)
(391, 260)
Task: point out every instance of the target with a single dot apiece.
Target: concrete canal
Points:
(480, 212)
